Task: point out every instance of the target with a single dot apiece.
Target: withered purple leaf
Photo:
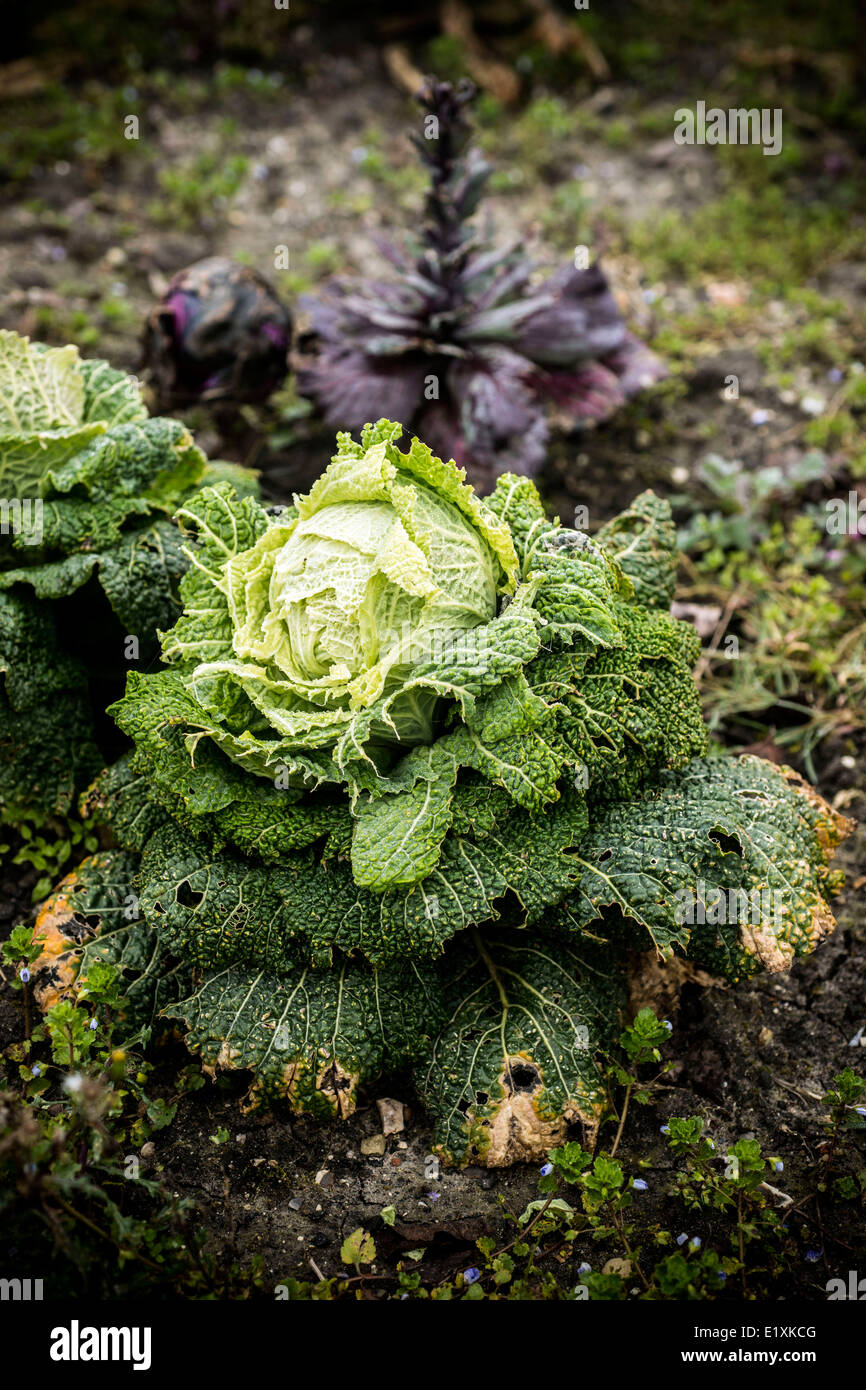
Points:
(219, 333)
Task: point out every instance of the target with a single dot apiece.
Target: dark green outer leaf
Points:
(516, 1062)
(643, 542)
(93, 916)
(120, 798)
(46, 745)
(312, 1037)
(732, 825)
(516, 501)
(215, 908)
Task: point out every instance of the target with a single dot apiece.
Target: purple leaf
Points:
(636, 365)
(589, 393)
(580, 320)
(345, 383)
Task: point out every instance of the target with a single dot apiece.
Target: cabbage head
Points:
(386, 562)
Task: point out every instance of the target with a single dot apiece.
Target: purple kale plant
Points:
(462, 345)
(219, 333)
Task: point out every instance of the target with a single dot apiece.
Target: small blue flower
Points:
(93, 1025)
(471, 1276)
(36, 1071)
(640, 1186)
(584, 1268)
(722, 1275)
(759, 417)
(666, 1023)
(665, 1129)
(834, 374)
(778, 1165)
(813, 1255)
(711, 1144)
(546, 1169)
(860, 1109)
(682, 1238)
(24, 974)
(434, 1196)
(695, 1243)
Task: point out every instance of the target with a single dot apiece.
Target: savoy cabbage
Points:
(88, 485)
(422, 769)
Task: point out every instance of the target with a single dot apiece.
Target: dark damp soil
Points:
(88, 242)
